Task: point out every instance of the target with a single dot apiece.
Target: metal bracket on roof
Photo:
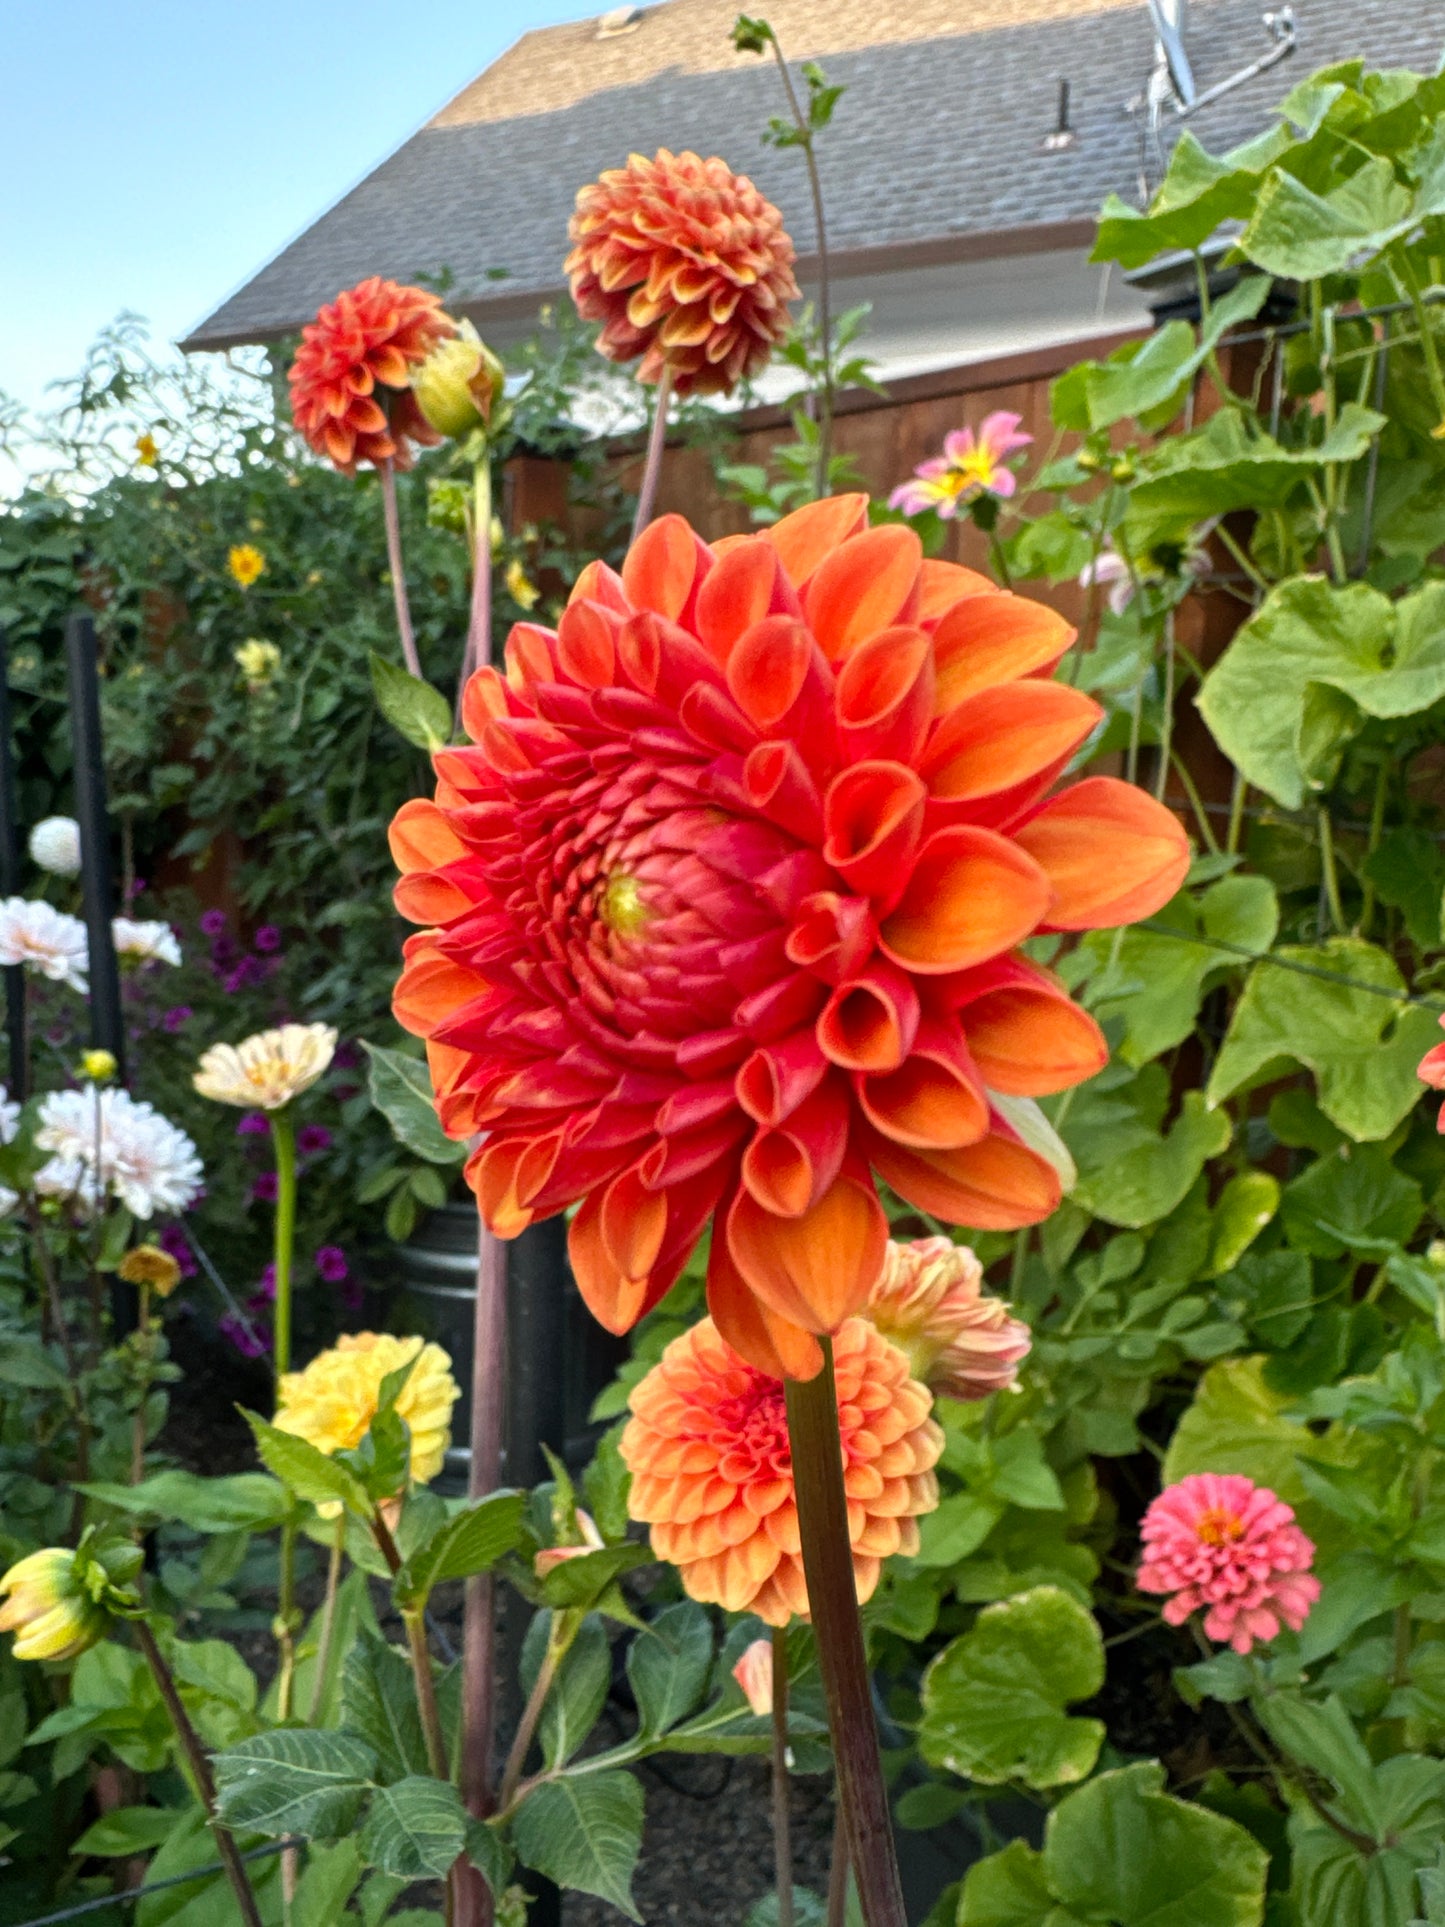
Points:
(1171, 87)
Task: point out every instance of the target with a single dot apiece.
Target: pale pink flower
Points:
(1431, 1071)
(754, 1673)
(1111, 568)
(929, 1301)
(972, 464)
(1217, 1540)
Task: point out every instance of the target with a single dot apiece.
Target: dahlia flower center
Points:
(1219, 1527)
(623, 910)
(756, 1425)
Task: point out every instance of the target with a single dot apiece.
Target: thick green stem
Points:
(283, 1140)
(1332, 875)
(560, 1635)
(656, 442)
(1236, 813)
(782, 1787)
(200, 1766)
(285, 1625)
(328, 1618)
(833, 1601)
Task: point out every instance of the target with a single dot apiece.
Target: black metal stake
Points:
(10, 881)
(97, 876)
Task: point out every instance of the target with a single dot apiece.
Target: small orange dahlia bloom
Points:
(929, 1300)
(371, 336)
(723, 907)
(712, 1470)
(686, 265)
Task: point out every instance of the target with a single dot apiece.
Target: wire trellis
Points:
(128, 1896)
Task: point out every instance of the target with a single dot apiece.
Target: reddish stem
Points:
(652, 467)
(398, 573)
(833, 1600)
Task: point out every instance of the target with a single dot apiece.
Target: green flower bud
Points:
(459, 384)
(59, 1602)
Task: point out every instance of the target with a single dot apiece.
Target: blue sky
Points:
(156, 152)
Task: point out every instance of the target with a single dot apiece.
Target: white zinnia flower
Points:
(266, 1070)
(107, 1142)
(55, 846)
(45, 940)
(9, 1117)
(146, 942)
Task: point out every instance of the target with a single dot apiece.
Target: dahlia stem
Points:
(782, 1789)
(138, 1422)
(200, 1765)
(328, 1618)
(825, 318)
(398, 574)
(561, 1632)
(837, 1913)
(479, 630)
(489, 1368)
(283, 1141)
(414, 1621)
(828, 1567)
(652, 468)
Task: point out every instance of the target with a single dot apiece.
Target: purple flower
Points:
(176, 1017)
(348, 1055)
(252, 1124)
(331, 1264)
(266, 1188)
(249, 1342)
(265, 1293)
(137, 887)
(312, 1140)
(247, 972)
(173, 1240)
(213, 923)
(268, 937)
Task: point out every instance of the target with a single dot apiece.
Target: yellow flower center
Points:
(622, 907)
(1217, 1527)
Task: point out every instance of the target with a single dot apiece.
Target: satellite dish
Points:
(1169, 23)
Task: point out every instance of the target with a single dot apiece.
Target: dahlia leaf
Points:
(379, 1707)
(469, 1542)
(668, 1665)
(242, 1501)
(310, 1474)
(294, 1780)
(400, 1088)
(413, 708)
(994, 1700)
(585, 1833)
(579, 1691)
(415, 1828)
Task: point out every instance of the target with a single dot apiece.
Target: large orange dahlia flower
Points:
(686, 265)
(712, 1470)
(370, 336)
(724, 906)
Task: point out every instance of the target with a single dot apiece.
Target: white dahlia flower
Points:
(55, 846)
(44, 939)
(9, 1117)
(145, 942)
(105, 1142)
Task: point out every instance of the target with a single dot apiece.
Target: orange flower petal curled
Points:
(374, 333)
(712, 1471)
(697, 943)
(686, 265)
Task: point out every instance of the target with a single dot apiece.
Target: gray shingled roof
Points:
(939, 136)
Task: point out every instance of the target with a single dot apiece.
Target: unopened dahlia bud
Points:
(930, 1302)
(58, 1602)
(550, 1557)
(754, 1673)
(55, 845)
(459, 384)
(152, 1267)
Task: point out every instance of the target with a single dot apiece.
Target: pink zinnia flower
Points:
(972, 464)
(1220, 1541)
(1431, 1071)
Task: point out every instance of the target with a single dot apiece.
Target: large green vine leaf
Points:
(1387, 657)
(1362, 1046)
(994, 1700)
(1236, 1424)
(1130, 1172)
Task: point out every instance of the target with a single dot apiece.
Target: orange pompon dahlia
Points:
(712, 1470)
(371, 336)
(686, 265)
(724, 906)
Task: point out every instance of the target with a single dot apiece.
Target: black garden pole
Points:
(97, 877)
(10, 881)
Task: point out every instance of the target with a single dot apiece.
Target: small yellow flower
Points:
(98, 1065)
(246, 563)
(268, 1069)
(520, 586)
(149, 1265)
(258, 662)
(332, 1403)
(146, 452)
(47, 1608)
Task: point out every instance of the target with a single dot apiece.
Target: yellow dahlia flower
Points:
(266, 1070)
(332, 1403)
(57, 1602)
(151, 1266)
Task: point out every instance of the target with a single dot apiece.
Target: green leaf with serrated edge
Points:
(1358, 1037)
(293, 1780)
(1333, 1882)
(127, 1830)
(310, 1474)
(470, 1541)
(352, 1614)
(1121, 1849)
(379, 1708)
(400, 1088)
(1387, 657)
(1008, 1889)
(415, 1828)
(668, 1665)
(586, 1580)
(584, 1834)
(413, 708)
(579, 1691)
(247, 1501)
(994, 1700)
(1236, 1424)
